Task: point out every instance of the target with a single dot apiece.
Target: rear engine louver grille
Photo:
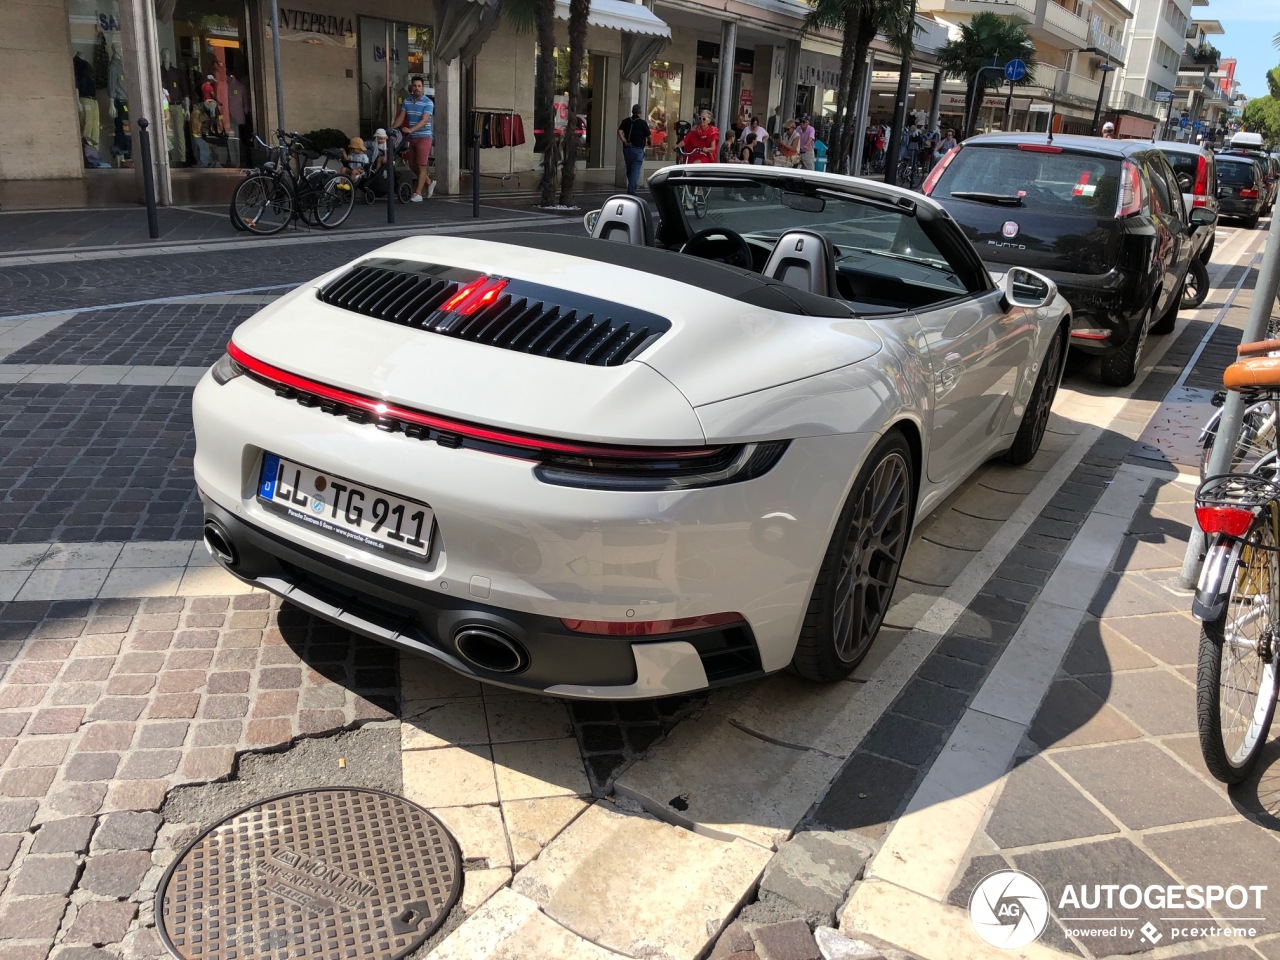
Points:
(508, 314)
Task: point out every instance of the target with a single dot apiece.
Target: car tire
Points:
(1194, 289)
(855, 582)
(1251, 223)
(1036, 417)
(1120, 366)
(1169, 319)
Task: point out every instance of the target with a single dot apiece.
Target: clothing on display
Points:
(175, 84)
(85, 87)
(207, 91)
(238, 104)
(505, 129)
(116, 89)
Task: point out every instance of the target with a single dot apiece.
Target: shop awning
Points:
(463, 26)
(621, 15)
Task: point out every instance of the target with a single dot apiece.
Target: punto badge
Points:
(1010, 229)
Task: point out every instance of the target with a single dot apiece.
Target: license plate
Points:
(344, 509)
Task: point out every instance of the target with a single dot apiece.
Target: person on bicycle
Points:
(702, 143)
(416, 115)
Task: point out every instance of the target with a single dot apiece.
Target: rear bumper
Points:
(560, 662)
(1241, 208)
(1111, 303)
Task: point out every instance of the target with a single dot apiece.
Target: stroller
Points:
(373, 186)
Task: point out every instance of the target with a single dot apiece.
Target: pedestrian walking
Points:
(634, 134)
(416, 115)
(807, 137)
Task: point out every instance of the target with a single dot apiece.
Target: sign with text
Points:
(318, 28)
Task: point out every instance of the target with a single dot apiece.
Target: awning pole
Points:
(275, 56)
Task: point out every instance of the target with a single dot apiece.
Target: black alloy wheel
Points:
(860, 569)
(1035, 419)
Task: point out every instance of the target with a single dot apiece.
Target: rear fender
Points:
(1215, 578)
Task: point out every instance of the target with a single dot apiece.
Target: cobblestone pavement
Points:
(131, 669)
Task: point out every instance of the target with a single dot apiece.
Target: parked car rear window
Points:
(1060, 183)
(1184, 166)
(1236, 171)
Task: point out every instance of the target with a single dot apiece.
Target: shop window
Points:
(391, 54)
(560, 105)
(97, 66)
(664, 107)
(205, 58)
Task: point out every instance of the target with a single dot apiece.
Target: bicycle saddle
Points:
(1252, 372)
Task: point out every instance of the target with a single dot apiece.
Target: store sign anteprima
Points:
(310, 27)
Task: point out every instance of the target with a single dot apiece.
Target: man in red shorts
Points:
(703, 140)
(416, 114)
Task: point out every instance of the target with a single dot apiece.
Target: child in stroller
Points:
(388, 148)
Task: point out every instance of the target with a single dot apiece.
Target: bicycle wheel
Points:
(334, 203)
(1256, 444)
(263, 204)
(1236, 673)
(700, 203)
(904, 175)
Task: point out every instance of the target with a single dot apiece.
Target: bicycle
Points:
(692, 199)
(911, 169)
(1256, 448)
(1238, 595)
(283, 189)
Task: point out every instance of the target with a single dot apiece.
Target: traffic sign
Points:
(1015, 70)
(1184, 122)
(1163, 96)
(1196, 126)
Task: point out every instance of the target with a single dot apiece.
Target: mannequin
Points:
(87, 104)
(174, 82)
(119, 106)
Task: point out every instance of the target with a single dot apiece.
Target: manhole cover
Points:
(340, 873)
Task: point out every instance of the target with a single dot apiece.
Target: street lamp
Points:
(1106, 68)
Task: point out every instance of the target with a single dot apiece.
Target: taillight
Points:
(652, 628)
(936, 173)
(1039, 148)
(570, 463)
(1130, 200)
(1232, 521)
(1248, 193)
(1202, 182)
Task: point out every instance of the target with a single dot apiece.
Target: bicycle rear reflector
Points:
(1232, 521)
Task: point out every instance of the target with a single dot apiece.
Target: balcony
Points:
(1133, 103)
(1059, 27)
(1079, 88)
(1026, 9)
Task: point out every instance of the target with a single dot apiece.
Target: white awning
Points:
(620, 15)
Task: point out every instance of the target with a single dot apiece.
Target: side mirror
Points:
(589, 220)
(1202, 217)
(1026, 288)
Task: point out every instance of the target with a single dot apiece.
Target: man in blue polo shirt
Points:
(417, 113)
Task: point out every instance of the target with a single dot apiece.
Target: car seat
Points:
(626, 219)
(804, 259)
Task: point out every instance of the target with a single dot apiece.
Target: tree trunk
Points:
(836, 160)
(578, 11)
(544, 19)
(865, 33)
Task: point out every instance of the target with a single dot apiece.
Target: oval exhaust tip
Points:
(220, 544)
(490, 650)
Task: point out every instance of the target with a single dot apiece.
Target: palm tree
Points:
(578, 12)
(544, 94)
(859, 21)
(985, 40)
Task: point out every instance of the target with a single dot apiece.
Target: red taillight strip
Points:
(652, 628)
(523, 442)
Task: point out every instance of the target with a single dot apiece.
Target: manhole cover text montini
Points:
(336, 874)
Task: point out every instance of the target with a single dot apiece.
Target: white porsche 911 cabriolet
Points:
(607, 469)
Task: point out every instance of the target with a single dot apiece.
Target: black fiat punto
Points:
(1103, 219)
